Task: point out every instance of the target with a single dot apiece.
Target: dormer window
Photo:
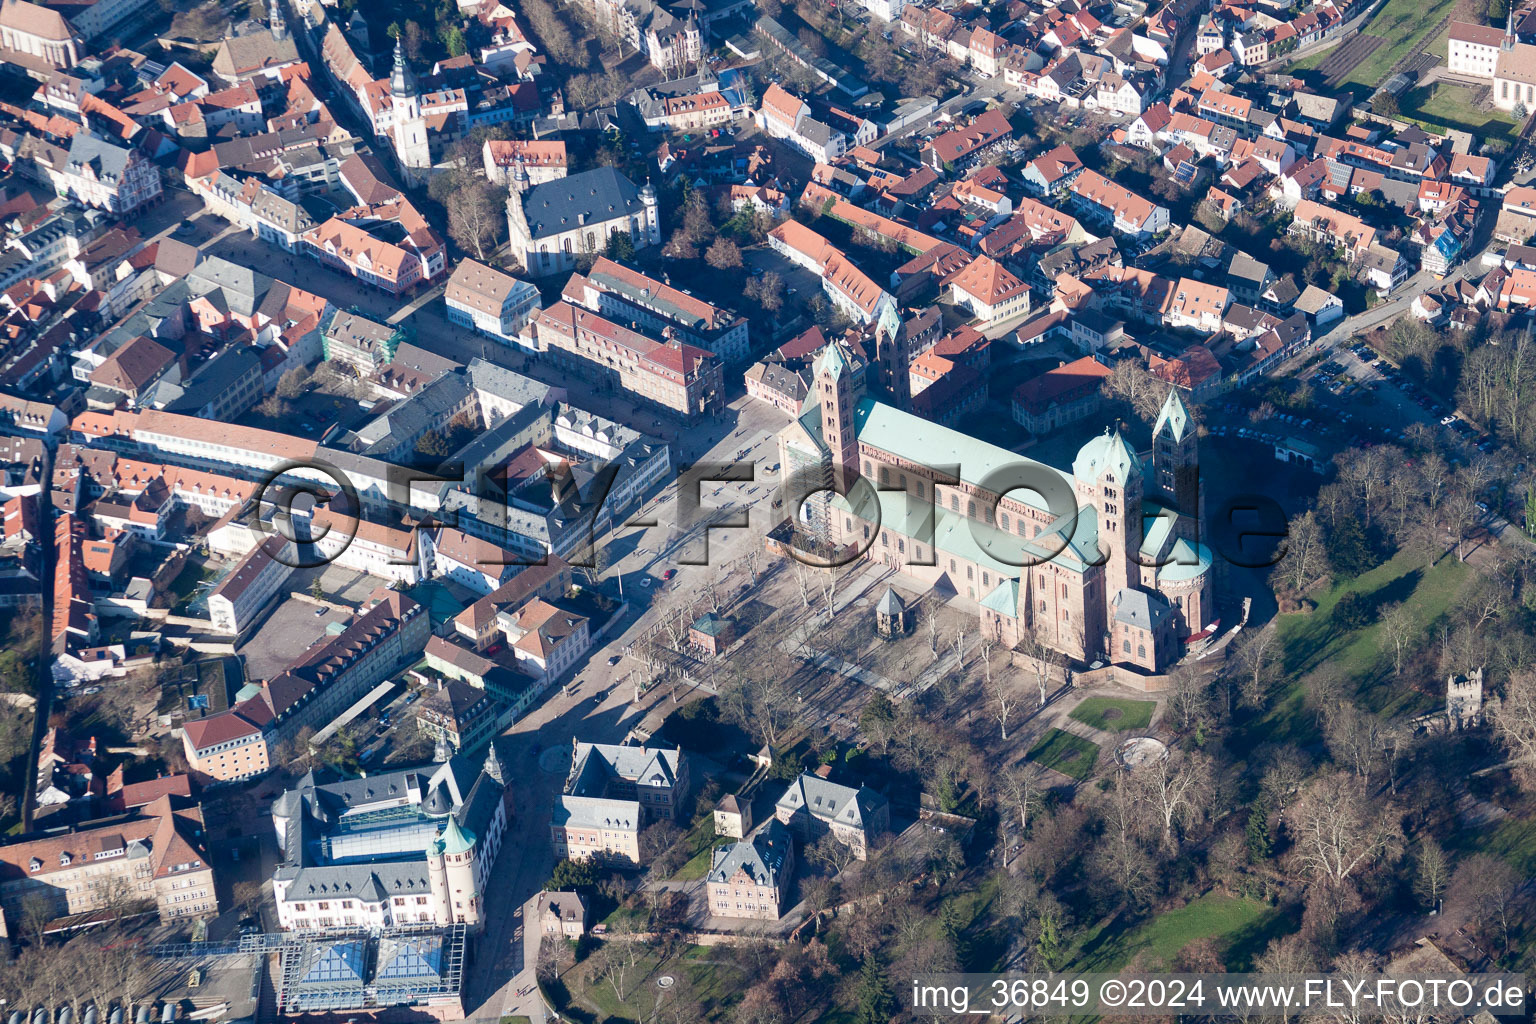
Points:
(64, 859)
(35, 865)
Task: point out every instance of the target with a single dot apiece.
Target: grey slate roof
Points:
(830, 801)
(106, 161)
(594, 196)
(358, 331)
(596, 812)
(1140, 609)
(240, 287)
(411, 418)
(506, 384)
(314, 807)
(762, 856)
(1246, 269)
(212, 379)
(595, 764)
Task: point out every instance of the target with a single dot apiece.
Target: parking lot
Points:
(1402, 399)
(290, 630)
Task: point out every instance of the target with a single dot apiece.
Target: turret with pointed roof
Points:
(836, 391)
(413, 150)
(1109, 480)
(1174, 417)
(493, 764)
(454, 839)
(402, 82)
(892, 357)
(1176, 463)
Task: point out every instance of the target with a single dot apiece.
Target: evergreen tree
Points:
(1260, 843)
(1048, 944)
(572, 875)
(877, 1003)
(949, 927)
(620, 245)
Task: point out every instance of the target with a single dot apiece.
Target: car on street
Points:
(669, 574)
(645, 581)
(613, 660)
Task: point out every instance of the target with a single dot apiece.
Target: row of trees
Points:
(99, 968)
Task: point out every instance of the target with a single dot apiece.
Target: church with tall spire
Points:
(408, 126)
(1102, 561)
(1496, 54)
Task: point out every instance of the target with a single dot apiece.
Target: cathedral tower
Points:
(1176, 464)
(892, 357)
(1108, 478)
(837, 392)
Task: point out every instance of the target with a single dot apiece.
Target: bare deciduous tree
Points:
(1023, 785)
(1432, 872)
(1177, 788)
(1400, 630)
(1353, 738)
(1339, 830)
(1306, 557)
(1002, 698)
(1490, 888)
(802, 574)
(1042, 660)
(1514, 721)
(1285, 770)
(1254, 666)
(1189, 695)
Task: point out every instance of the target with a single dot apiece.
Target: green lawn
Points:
(634, 915)
(1311, 61)
(1115, 714)
(1447, 105)
(640, 988)
(701, 839)
(1063, 752)
(638, 992)
(1406, 25)
(1440, 46)
(1240, 928)
(1309, 640)
(1513, 840)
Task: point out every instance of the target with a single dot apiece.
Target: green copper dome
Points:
(455, 839)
